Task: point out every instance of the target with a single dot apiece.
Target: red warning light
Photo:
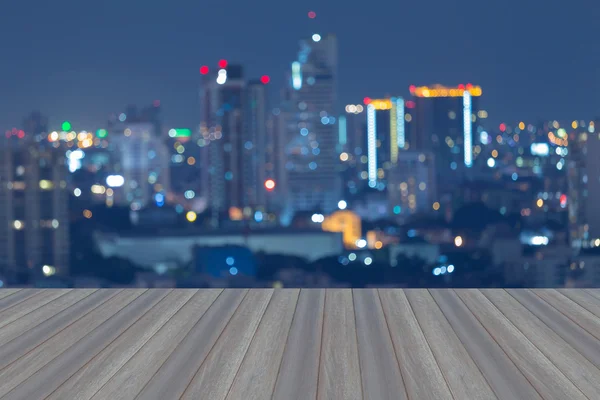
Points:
(265, 79)
(312, 15)
(461, 86)
(222, 63)
(204, 70)
(367, 100)
(410, 104)
(270, 184)
(469, 86)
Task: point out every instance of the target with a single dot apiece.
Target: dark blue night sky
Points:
(81, 60)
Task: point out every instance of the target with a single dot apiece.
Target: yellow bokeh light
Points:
(458, 241)
(540, 203)
(436, 206)
(344, 156)
(521, 125)
(191, 216)
(494, 153)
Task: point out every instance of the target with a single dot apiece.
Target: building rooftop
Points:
(292, 343)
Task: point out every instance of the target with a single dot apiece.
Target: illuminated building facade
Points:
(222, 127)
(412, 184)
(346, 222)
(445, 122)
(352, 133)
(386, 136)
(34, 220)
(584, 187)
(254, 163)
(312, 158)
(143, 163)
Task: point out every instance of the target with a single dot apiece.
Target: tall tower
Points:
(34, 220)
(312, 160)
(222, 127)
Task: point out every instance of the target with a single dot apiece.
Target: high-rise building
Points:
(222, 127)
(386, 136)
(444, 122)
(143, 163)
(584, 187)
(411, 184)
(255, 167)
(34, 221)
(312, 160)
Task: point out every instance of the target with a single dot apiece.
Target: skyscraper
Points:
(143, 159)
(312, 161)
(222, 127)
(445, 123)
(34, 221)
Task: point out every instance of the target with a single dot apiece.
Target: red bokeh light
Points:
(563, 200)
(265, 79)
(412, 88)
(367, 100)
(270, 184)
(410, 104)
(21, 134)
(312, 15)
(502, 127)
(222, 63)
(469, 86)
(156, 103)
(204, 70)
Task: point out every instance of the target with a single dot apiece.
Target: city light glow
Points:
(372, 145)
(442, 91)
(467, 124)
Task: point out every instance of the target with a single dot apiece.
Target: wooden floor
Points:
(299, 344)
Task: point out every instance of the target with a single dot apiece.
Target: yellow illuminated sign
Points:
(443, 91)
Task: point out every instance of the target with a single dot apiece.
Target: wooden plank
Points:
(339, 370)
(215, 376)
(572, 310)
(95, 373)
(176, 373)
(466, 382)
(22, 368)
(298, 374)
(380, 371)
(584, 299)
(24, 343)
(547, 379)
(44, 313)
(571, 333)
(422, 375)
(504, 377)
(49, 378)
(7, 292)
(27, 306)
(594, 292)
(137, 372)
(16, 298)
(266, 349)
(570, 362)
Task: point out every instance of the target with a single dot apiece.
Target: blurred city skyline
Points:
(80, 62)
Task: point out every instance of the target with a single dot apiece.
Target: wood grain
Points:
(266, 349)
(380, 371)
(507, 381)
(215, 376)
(172, 378)
(17, 297)
(298, 374)
(573, 334)
(95, 373)
(58, 370)
(570, 362)
(466, 382)
(17, 371)
(571, 310)
(339, 371)
(422, 375)
(584, 299)
(137, 372)
(7, 292)
(547, 379)
(33, 319)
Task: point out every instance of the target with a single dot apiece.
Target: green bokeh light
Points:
(101, 133)
(66, 126)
